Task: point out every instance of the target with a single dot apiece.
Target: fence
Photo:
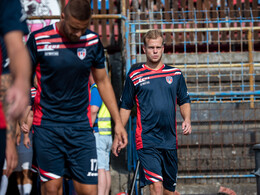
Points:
(211, 73)
(196, 15)
(182, 13)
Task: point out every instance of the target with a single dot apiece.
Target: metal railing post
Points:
(256, 148)
(251, 66)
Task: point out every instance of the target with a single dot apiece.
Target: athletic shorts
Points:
(34, 167)
(104, 144)
(158, 165)
(24, 155)
(66, 152)
(2, 150)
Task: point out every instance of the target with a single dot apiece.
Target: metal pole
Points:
(203, 29)
(251, 67)
(214, 176)
(257, 166)
(134, 178)
(94, 16)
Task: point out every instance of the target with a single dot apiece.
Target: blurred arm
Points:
(18, 94)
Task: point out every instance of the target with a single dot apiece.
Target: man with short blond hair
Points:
(156, 89)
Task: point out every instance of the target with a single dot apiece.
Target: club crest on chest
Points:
(82, 53)
(169, 79)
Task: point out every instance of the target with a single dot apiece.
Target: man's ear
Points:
(143, 47)
(62, 16)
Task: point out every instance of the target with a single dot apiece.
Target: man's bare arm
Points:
(11, 154)
(124, 114)
(185, 110)
(20, 65)
(26, 122)
(94, 111)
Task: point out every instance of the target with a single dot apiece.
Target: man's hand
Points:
(18, 138)
(120, 139)
(17, 98)
(25, 128)
(11, 156)
(185, 110)
(186, 127)
(27, 141)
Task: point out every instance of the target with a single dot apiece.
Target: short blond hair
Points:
(152, 34)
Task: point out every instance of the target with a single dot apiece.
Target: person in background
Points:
(25, 153)
(101, 121)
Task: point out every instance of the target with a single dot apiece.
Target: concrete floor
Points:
(120, 184)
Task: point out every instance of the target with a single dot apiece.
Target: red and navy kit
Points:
(62, 69)
(156, 94)
(61, 122)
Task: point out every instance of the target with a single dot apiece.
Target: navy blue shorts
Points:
(2, 150)
(158, 165)
(66, 152)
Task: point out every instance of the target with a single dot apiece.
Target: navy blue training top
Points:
(12, 17)
(156, 94)
(62, 69)
(4, 58)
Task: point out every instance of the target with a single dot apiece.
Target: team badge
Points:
(169, 79)
(81, 52)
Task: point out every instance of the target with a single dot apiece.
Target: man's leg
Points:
(49, 150)
(156, 188)
(3, 183)
(85, 189)
(108, 178)
(52, 187)
(167, 192)
(104, 144)
(23, 173)
(170, 164)
(82, 158)
(24, 181)
(102, 183)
